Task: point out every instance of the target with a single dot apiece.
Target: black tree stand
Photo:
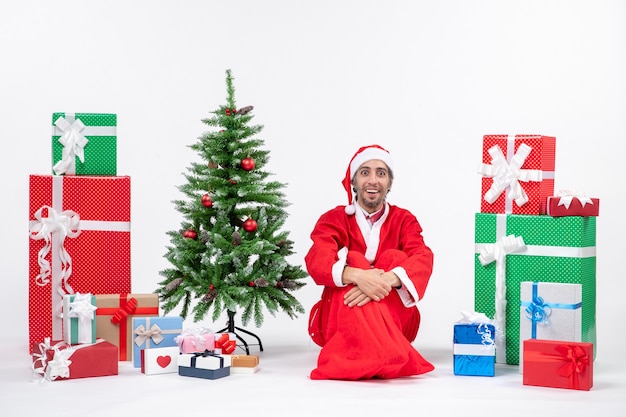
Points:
(230, 327)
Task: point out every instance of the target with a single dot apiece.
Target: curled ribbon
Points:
(568, 195)
(538, 311)
(507, 175)
(62, 225)
(143, 334)
(497, 252)
(485, 334)
(58, 366)
(482, 320)
(73, 142)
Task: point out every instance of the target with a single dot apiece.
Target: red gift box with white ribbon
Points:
(57, 360)
(518, 173)
(79, 242)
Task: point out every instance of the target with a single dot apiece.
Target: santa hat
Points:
(364, 154)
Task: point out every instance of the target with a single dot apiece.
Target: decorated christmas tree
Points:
(230, 254)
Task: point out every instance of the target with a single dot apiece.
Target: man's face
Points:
(372, 182)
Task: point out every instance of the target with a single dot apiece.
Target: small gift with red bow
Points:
(558, 364)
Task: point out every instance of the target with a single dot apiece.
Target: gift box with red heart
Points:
(159, 360)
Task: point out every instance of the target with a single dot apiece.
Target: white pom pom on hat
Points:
(364, 154)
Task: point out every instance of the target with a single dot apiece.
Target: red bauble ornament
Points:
(227, 111)
(206, 201)
(247, 164)
(251, 284)
(250, 225)
(211, 287)
(190, 234)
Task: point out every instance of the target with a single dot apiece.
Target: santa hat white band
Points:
(368, 154)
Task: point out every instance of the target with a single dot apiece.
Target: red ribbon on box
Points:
(575, 361)
(128, 306)
(225, 343)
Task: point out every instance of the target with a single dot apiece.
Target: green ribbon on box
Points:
(553, 249)
(84, 144)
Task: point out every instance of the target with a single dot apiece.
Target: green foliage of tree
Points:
(216, 264)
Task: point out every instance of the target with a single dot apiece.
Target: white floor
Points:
(281, 387)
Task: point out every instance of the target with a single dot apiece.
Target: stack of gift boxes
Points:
(535, 264)
(83, 318)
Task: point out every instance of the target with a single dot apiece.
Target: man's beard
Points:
(372, 204)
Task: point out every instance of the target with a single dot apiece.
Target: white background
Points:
(425, 79)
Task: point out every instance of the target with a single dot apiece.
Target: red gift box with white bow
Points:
(518, 173)
(79, 242)
(57, 360)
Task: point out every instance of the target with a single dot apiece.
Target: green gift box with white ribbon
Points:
(84, 144)
(510, 249)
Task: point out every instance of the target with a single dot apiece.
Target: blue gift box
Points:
(151, 332)
(474, 349)
(205, 365)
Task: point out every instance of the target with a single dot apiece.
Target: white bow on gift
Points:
(73, 142)
(198, 333)
(568, 195)
(507, 175)
(81, 308)
(58, 366)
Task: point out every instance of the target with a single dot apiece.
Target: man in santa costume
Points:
(371, 258)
